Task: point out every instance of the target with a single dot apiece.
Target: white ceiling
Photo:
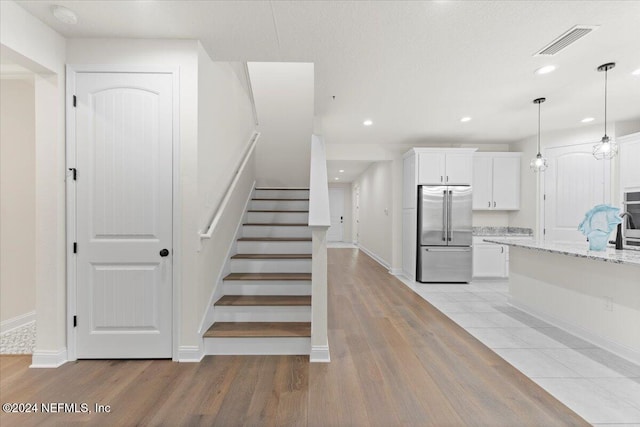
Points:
(352, 170)
(415, 68)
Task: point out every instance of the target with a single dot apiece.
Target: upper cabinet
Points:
(496, 181)
(629, 156)
(445, 166)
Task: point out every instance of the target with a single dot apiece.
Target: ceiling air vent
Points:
(566, 39)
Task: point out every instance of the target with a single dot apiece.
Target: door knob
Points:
(164, 252)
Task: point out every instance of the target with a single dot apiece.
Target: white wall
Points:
(33, 45)
(283, 95)
(527, 216)
(376, 210)
(225, 125)
(17, 198)
(348, 208)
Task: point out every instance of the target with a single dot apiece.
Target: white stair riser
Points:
(270, 266)
(262, 313)
(257, 346)
(257, 247)
(281, 194)
(278, 217)
(266, 287)
(275, 231)
(280, 205)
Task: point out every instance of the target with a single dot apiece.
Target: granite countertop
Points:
(579, 250)
(502, 231)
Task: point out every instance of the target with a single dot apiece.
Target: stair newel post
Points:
(319, 222)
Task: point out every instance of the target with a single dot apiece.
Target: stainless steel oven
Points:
(631, 223)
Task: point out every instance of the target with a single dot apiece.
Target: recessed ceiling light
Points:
(341, 170)
(636, 72)
(367, 122)
(546, 69)
(587, 119)
(465, 119)
(64, 15)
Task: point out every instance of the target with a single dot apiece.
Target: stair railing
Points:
(319, 222)
(217, 213)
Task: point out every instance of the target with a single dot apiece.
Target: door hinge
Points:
(544, 231)
(75, 321)
(74, 100)
(74, 173)
(544, 197)
(75, 247)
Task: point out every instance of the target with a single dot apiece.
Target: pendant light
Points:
(538, 163)
(607, 148)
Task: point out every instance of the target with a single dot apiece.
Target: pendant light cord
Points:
(606, 71)
(539, 127)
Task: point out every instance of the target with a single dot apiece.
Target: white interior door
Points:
(124, 141)
(336, 210)
(574, 183)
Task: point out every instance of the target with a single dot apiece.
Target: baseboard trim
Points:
(49, 358)
(17, 322)
(395, 271)
(190, 354)
(375, 257)
(615, 348)
(320, 354)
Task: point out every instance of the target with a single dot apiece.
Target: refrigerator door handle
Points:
(447, 249)
(449, 209)
(444, 215)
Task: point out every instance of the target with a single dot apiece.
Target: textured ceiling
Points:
(414, 68)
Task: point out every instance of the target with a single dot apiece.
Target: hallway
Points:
(395, 360)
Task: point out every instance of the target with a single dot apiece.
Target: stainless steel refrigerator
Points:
(444, 233)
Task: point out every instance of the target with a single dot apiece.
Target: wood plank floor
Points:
(396, 360)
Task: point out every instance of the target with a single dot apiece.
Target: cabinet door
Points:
(506, 183)
(489, 261)
(431, 168)
(629, 170)
(459, 169)
(482, 182)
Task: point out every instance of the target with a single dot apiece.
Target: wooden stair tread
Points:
(271, 256)
(284, 188)
(254, 210)
(280, 200)
(274, 239)
(260, 300)
(278, 224)
(259, 329)
(268, 276)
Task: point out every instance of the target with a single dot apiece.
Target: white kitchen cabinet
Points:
(629, 155)
(490, 260)
(496, 181)
(447, 168)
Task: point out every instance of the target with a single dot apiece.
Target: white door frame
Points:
(72, 71)
(541, 222)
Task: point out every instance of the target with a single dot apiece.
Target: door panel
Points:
(336, 212)
(574, 183)
(459, 169)
(445, 264)
(460, 216)
(124, 215)
(482, 182)
(432, 215)
(506, 183)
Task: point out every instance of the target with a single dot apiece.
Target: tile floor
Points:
(598, 385)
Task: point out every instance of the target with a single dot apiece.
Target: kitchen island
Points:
(595, 295)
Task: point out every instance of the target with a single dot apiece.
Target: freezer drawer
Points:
(442, 265)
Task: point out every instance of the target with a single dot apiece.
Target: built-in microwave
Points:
(631, 222)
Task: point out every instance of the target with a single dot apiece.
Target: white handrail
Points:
(227, 195)
(318, 185)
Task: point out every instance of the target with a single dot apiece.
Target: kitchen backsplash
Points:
(502, 231)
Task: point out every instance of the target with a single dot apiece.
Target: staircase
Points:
(266, 302)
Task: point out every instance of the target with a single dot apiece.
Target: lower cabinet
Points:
(490, 260)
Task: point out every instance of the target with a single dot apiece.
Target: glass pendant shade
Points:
(607, 148)
(538, 163)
